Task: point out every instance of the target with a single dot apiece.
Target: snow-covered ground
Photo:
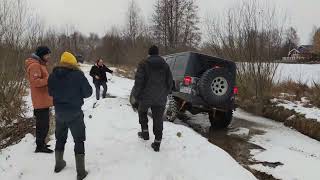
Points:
(306, 73)
(299, 107)
(299, 154)
(113, 150)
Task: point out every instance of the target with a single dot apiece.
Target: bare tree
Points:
(176, 24)
(134, 25)
(252, 34)
(291, 40)
(14, 40)
(316, 41)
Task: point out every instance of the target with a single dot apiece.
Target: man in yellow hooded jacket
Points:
(68, 86)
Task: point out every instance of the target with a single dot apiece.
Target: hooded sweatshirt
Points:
(153, 82)
(37, 75)
(68, 86)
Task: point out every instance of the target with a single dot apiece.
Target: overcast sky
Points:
(99, 15)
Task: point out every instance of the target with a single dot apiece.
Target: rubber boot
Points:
(43, 149)
(156, 145)
(60, 163)
(144, 134)
(81, 170)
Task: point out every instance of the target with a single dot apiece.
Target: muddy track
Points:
(237, 146)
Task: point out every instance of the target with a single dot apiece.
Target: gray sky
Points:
(99, 15)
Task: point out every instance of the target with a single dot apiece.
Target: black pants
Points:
(157, 116)
(74, 122)
(98, 84)
(42, 125)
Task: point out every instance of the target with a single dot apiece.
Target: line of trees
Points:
(175, 27)
(21, 31)
(249, 32)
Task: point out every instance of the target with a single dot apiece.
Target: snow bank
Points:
(298, 106)
(113, 150)
(299, 154)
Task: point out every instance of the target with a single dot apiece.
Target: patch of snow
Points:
(299, 154)
(4, 141)
(2, 124)
(298, 106)
(113, 150)
(255, 151)
(305, 100)
(244, 132)
(28, 105)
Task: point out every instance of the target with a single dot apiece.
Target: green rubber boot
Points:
(60, 163)
(81, 170)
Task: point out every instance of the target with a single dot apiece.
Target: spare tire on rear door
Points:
(216, 86)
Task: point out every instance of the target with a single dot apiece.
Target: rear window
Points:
(180, 66)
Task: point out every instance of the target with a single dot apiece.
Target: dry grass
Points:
(314, 96)
(13, 134)
(255, 91)
(294, 91)
(127, 71)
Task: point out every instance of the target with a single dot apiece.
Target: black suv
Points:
(202, 84)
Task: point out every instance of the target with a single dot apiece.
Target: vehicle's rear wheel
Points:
(220, 119)
(216, 86)
(172, 109)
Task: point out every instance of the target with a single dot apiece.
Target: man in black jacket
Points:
(98, 73)
(68, 86)
(153, 83)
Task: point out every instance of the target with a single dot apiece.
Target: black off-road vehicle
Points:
(202, 84)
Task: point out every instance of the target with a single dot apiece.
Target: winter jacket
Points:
(37, 75)
(100, 71)
(68, 86)
(153, 82)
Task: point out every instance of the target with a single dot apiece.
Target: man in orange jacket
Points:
(37, 74)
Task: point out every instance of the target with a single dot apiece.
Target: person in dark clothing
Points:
(37, 74)
(68, 86)
(153, 83)
(98, 73)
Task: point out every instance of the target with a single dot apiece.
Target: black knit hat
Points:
(42, 51)
(153, 50)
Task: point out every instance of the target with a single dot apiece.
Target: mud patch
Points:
(270, 164)
(262, 175)
(111, 96)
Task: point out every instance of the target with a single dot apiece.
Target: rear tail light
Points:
(187, 81)
(235, 90)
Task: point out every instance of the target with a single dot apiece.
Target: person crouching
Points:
(68, 86)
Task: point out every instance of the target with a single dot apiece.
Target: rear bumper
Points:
(198, 102)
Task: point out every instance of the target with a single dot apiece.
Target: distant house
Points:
(301, 53)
